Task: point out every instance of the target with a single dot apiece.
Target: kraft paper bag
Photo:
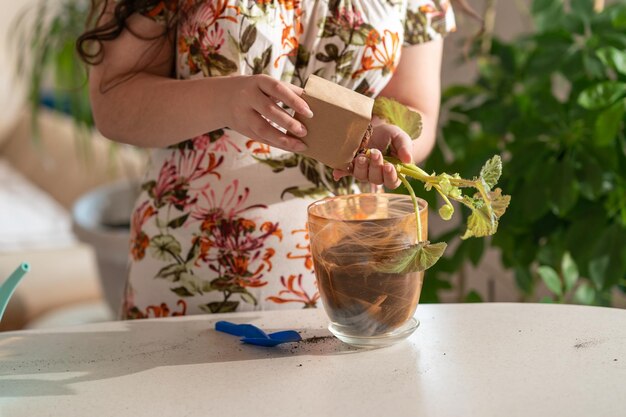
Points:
(340, 119)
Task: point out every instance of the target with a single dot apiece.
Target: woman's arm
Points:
(417, 84)
(135, 100)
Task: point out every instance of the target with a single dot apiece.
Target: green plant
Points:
(553, 104)
(487, 204)
(46, 36)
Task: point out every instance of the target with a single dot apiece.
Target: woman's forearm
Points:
(154, 111)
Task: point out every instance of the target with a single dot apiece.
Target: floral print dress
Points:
(220, 225)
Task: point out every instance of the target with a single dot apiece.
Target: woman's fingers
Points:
(390, 176)
(285, 93)
(264, 132)
(375, 170)
(401, 146)
(267, 108)
(361, 168)
(296, 89)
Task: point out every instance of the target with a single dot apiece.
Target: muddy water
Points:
(364, 301)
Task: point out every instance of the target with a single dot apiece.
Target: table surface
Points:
(464, 359)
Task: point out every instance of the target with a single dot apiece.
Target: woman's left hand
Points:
(374, 169)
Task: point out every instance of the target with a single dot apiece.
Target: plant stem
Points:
(445, 197)
(412, 172)
(418, 219)
(489, 26)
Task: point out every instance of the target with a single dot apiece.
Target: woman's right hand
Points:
(254, 102)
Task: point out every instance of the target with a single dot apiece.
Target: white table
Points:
(464, 360)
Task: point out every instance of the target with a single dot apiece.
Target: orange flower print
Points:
(267, 258)
(154, 311)
(164, 311)
(380, 52)
(162, 8)
(269, 227)
(433, 11)
(293, 294)
(290, 4)
(258, 148)
(139, 241)
(305, 249)
(290, 35)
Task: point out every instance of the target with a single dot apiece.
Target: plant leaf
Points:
(178, 222)
(601, 95)
(222, 64)
(609, 124)
(491, 171)
(618, 18)
(563, 188)
(585, 294)
(248, 38)
(398, 114)
(279, 164)
(613, 57)
(164, 247)
(480, 224)
(499, 202)
(248, 298)
(220, 307)
(171, 272)
(332, 51)
(181, 292)
(597, 270)
(417, 258)
(191, 282)
(473, 297)
(265, 57)
(551, 279)
(569, 270)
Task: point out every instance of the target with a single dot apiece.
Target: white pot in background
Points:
(101, 218)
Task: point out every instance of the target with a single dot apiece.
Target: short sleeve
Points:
(426, 20)
(163, 11)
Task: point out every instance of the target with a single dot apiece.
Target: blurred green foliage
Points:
(553, 104)
(45, 34)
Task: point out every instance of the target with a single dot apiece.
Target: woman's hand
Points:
(253, 104)
(374, 169)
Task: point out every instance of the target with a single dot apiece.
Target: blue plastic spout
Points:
(8, 287)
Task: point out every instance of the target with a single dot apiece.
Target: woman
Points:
(220, 225)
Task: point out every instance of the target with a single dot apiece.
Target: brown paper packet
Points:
(341, 117)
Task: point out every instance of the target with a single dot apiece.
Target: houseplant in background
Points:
(46, 34)
(553, 103)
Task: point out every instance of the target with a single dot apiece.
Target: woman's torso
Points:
(220, 225)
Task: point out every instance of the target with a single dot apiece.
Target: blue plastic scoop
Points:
(8, 287)
(253, 335)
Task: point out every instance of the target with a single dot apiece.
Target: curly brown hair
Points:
(89, 44)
